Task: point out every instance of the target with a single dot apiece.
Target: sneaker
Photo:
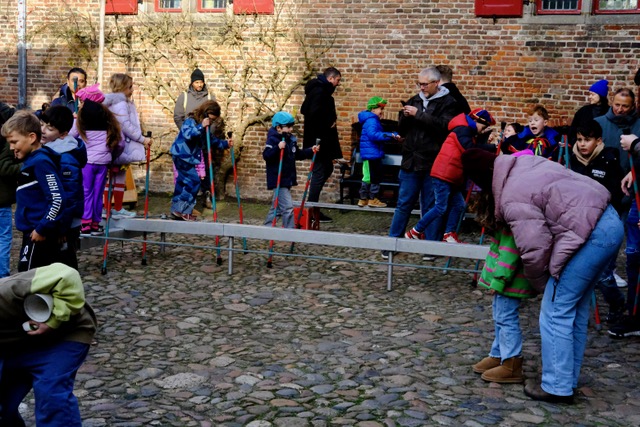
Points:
(629, 326)
(385, 254)
(96, 230)
(189, 217)
(177, 215)
(85, 229)
(207, 200)
(363, 202)
(451, 237)
(122, 213)
(324, 218)
(375, 203)
(413, 234)
(620, 281)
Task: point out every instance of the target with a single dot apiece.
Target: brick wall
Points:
(506, 66)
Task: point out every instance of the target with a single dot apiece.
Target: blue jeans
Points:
(412, 185)
(6, 234)
(51, 372)
(633, 255)
(285, 208)
(508, 336)
(445, 197)
(187, 187)
(564, 313)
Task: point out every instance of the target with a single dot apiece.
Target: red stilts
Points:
(304, 194)
(275, 207)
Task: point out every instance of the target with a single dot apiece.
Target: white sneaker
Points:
(122, 213)
(620, 281)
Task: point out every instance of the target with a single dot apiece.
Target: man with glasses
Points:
(423, 124)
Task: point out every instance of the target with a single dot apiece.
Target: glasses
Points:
(427, 83)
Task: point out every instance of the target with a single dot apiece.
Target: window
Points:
(168, 5)
(558, 7)
(616, 6)
(211, 5)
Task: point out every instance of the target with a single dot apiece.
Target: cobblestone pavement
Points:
(315, 343)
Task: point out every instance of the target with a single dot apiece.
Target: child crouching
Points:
(503, 276)
(280, 139)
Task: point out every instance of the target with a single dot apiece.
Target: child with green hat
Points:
(372, 140)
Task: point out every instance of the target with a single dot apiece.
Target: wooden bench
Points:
(351, 177)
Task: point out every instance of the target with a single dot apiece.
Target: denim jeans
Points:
(508, 336)
(412, 186)
(445, 197)
(633, 256)
(564, 313)
(186, 188)
(51, 372)
(285, 208)
(6, 234)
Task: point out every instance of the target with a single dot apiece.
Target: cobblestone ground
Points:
(314, 343)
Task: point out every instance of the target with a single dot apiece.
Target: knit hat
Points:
(478, 167)
(91, 93)
(482, 116)
(601, 87)
(197, 75)
(282, 118)
(376, 102)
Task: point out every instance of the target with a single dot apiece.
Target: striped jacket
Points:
(503, 270)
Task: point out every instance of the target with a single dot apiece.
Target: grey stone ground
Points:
(314, 343)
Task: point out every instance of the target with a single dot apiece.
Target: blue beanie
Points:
(282, 118)
(601, 87)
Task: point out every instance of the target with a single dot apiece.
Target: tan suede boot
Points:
(486, 364)
(509, 372)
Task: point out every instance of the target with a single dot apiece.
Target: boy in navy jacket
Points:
(279, 138)
(56, 124)
(40, 197)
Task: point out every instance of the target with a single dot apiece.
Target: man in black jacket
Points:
(423, 124)
(319, 110)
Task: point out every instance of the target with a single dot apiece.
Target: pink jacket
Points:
(551, 211)
(126, 113)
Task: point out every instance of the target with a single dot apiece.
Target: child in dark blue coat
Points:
(372, 140)
(280, 139)
(56, 124)
(537, 137)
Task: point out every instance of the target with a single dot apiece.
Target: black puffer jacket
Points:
(319, 110)
(425, 133)
(9, 168)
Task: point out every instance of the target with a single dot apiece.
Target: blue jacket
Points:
(271, 154)
(73, 157)
(545, 145)
(40, 197)
(191, 140)
(372, 136)
(65, 99)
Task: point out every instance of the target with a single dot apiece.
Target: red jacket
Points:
(448, 163)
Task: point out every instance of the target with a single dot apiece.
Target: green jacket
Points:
(9, 168)
(503, 270)
(72, 319)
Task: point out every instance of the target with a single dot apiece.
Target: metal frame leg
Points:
(230, 256)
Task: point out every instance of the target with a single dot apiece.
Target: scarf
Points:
(586, 160)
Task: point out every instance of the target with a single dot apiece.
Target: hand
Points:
(230, 142)
(315, 148)
(626, 183)
(282, 144)
(206, 122)
(409, 110)
(147, 142)
(36, 237)
(38, 328)
(626, 140)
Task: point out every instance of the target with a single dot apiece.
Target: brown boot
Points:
(486, 364)
(509, 372)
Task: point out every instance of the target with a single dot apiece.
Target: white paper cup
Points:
(38, 307)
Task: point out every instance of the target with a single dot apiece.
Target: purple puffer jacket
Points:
(126, 113)
(551, 211)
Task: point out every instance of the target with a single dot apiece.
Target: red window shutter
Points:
(121, 7)
(491, 8)
(252, 6)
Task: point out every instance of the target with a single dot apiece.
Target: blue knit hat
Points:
(601, 87)
(282, 118)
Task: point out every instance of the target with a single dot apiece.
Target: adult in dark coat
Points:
(67, 96)
(446, 77)
(598, 106)
(319, 110)
(423, 125)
